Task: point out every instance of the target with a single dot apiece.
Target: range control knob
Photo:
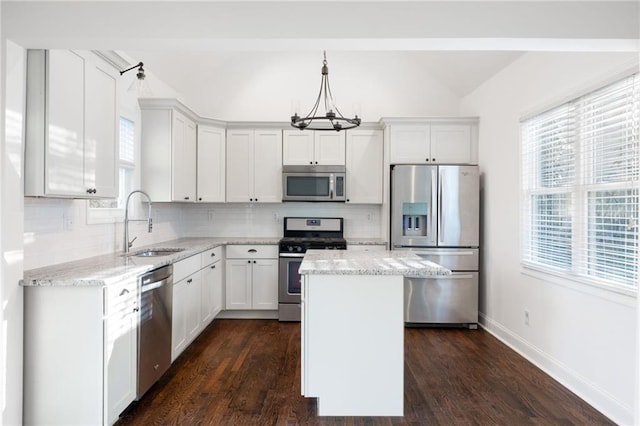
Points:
(299, 249)
(290, 248)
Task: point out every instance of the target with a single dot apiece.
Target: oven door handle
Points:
(293, 255)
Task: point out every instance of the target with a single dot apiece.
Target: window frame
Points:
(580, 271)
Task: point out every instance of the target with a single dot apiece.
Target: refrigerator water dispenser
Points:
(414, 219)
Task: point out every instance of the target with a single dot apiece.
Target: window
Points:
(580, 187)
(101, 211)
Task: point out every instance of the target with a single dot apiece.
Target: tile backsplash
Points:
(56, 230)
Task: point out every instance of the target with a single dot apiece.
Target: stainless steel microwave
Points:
(313, 183)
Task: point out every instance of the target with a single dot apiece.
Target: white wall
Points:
(270, 86)
(12, 67)
(582, 336)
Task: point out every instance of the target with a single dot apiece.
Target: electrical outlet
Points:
(210, 215)
(369, 217)
(276, 216)
(67, 221)
(526, 317)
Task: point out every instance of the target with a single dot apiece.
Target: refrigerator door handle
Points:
(444, 253)
(440, 218)
(454, 276)
(434, 199)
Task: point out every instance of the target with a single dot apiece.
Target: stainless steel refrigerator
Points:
(435, 214)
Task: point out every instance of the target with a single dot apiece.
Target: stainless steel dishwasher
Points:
(154, 327)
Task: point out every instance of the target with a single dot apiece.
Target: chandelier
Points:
(332, 118)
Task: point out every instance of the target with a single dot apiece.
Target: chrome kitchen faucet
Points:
(127, 243)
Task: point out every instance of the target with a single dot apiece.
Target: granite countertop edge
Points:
(321, 262)
(112, 268)
(366, 241)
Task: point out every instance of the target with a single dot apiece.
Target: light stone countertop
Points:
(115, 267)
(345, 262)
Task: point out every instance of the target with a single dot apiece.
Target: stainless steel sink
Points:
(156, 252)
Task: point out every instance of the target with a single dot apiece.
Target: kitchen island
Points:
(353, 329)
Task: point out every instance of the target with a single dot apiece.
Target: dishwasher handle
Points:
(156, 284)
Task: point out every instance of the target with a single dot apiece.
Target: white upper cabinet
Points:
(211, 164)
(410, 144)
(183, 151)
(168, 158)
(254, 166)
(364, 166)
(72, 113)
(101, 136)
(433, 141)
(453, 144)
(309, 147)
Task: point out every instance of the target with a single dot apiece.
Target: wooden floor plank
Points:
(247, 372)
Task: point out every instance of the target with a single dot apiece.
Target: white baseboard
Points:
(248, 314)
(588, 391)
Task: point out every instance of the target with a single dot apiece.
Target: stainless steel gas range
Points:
(302, 234)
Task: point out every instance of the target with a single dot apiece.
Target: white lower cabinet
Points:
(197, 297)
(212, 290)
(187, 291)
(121, 334)
(252, 277)
(85, 374)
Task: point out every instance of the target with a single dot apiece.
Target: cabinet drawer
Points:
(185, 267)
(121, 297)
(244, 251)
(210, 256)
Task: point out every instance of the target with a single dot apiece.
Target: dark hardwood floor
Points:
(247, 372)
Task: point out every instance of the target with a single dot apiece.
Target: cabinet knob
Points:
(186, 198)
(310, 162)
(213, 254)
(256, 200)
(250, 199)
(248, 261)
(213, 267)
(136, 309)
(254, 261)
(433, 159)
(426, 159)
(199, 198)
(190, 280)
(347, 200)
(316, 162)
(91, 190)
